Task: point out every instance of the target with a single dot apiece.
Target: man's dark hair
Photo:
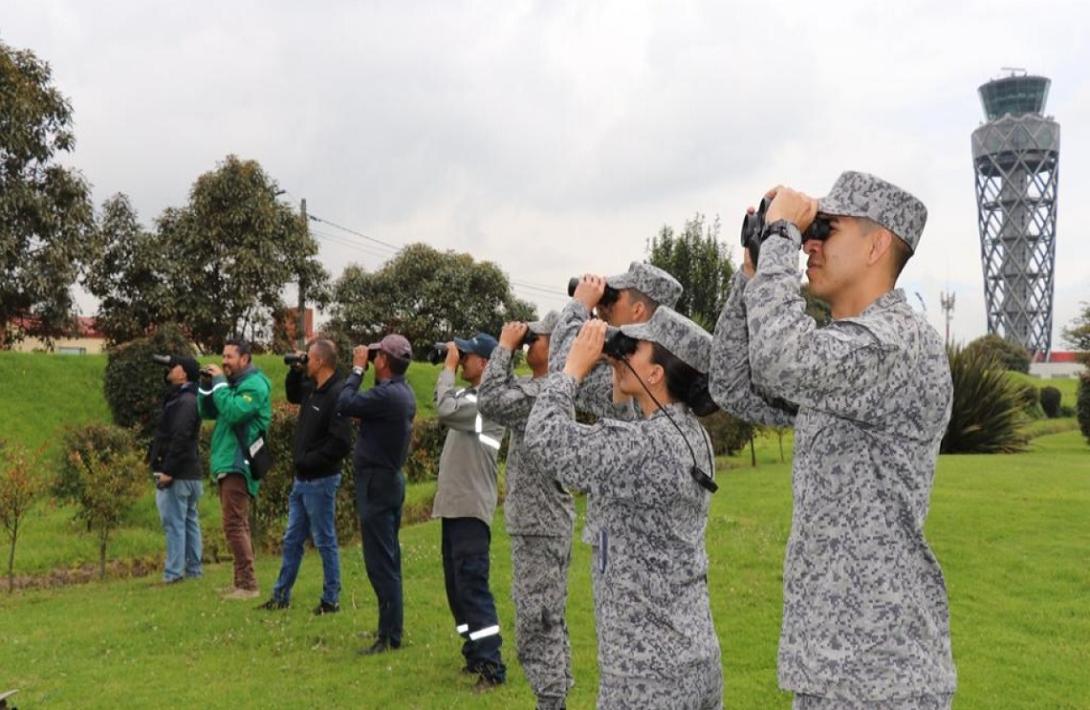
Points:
(901, 255)
(325, 349)
(398, 365)
(242, 345)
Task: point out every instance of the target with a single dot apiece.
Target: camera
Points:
(619, 346)
(609, 296)
(295, 359)
(754, 224)
(164, 360)
(438, 353)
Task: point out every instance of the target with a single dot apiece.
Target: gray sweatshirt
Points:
(865, 611)
(467, 466)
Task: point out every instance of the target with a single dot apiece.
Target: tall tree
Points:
(132, 279)
(46, 216)
(234, 247)
(426, 295)
(697, 259)
(1077, 335)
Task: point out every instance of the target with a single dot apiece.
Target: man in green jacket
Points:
(238, 400)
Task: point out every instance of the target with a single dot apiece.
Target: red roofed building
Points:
(1060, 363)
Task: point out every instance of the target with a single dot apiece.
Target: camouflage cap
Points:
(651, 281)
(545, 325)
(684, 339)
(863, 195)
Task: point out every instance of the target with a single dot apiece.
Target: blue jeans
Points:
(311, 509)
(178, 512)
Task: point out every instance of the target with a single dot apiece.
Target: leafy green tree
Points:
(110, 488)
(19, 488)
(46, 215)
(234, 247)
(700, 261)
(426, 295)
(133, 279)
(1082, 405)
(1078, 334)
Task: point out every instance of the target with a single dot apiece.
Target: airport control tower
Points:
(1016, 158)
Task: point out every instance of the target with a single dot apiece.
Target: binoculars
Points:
(164, 360)
(619, 346)
(438, 353)
(609, 296)
(754, 224)
(295, 359)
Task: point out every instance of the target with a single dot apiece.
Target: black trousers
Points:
(465, 570)
(380, 522)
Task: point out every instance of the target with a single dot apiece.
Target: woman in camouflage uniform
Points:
(650, 482)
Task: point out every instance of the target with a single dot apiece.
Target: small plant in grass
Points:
(110, 488)
(19, 488)
(987, 411)
(1082, 408)
(1050, 401)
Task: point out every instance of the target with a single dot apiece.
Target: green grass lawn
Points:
(1012, 533)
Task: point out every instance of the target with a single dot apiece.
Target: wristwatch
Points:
(781, 227)
(357, 370)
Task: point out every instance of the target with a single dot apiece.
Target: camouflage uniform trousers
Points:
(700, 689)
(921, 702)
(539, 587)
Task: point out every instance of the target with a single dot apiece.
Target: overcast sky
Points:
(555, 137)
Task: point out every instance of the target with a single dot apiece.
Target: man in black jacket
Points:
(322, 439)
(385, 413)
(177, 469)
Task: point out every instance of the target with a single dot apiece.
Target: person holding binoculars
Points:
(865, 610)
(322, 439)
(650, 481)
(465, 501)
(385, 420)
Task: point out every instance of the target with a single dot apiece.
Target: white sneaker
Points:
(242, 594)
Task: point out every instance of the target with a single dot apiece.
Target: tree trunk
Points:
(752, 452)
(11, 562)
(102, 557)
(780, 435)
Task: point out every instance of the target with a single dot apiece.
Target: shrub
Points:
(134, 385)
(1050, 401)
(1029, 400)
(424, 450)
(19, 487)
(1010, 356)
(729, 434)
(986, 413)
(109, 483)
(107, 441)
(1082, 407)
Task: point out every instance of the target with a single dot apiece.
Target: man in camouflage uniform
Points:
(657, 646)
(539, 515)
(865, 611)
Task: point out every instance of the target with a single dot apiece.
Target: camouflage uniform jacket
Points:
(865, 611)
(534, 504)
(650, 566)
(595, 393)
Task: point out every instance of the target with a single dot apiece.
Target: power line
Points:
(315, 218)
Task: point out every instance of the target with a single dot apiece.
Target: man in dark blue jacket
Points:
(385, 414)
(173, 459)
(322, 439)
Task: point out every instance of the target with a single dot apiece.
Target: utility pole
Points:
(947, 301)
(301, 314)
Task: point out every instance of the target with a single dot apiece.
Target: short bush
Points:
(1010, 356)
(134, 385)
(1029, 400)
(424, 450)
(107, 441)
(986, 413)
(1082, 408)
(1050, 401)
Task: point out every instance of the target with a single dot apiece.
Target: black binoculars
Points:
(438, 353)
(619, 346)
(296, 359)
(754, 224)
(609, 296)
